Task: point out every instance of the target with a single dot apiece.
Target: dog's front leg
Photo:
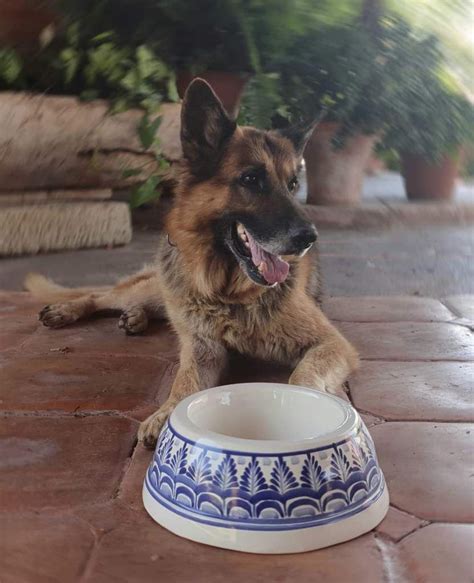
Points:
(201, 363)
(326, 365)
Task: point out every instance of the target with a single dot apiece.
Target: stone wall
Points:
(56, 142)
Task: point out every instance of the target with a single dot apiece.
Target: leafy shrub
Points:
(100, 67)
(434, 118)
(11, 69)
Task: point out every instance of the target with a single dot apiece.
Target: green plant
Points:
(451, 23)
(377, 76)
(435, 118)
(130, 76)
(262, 97)
(194, 35)
(214, 34)
(71, 62)
(149, 189)
(11, 69)
(262, 102)
(357, 72)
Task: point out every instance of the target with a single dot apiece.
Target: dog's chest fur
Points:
(256, 328)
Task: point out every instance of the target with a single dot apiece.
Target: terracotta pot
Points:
(426, 180)
(22, 21)
(228, 86)
(335, 176)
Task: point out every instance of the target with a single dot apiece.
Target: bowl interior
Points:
(267, 412)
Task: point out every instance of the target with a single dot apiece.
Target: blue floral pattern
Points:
(264, 491)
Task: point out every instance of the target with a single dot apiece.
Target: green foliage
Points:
(356, 72)
(11, 69)
(384, 78)
(432, 117)
(146, 192)
(99, 66)
(102, 67)
(434, 121)
(329, 67)
(149, 189)
(370, 69)
(129, 77)
(262, 101)
(451, 22)
(198, 35)
(147, 131)
(214, 34)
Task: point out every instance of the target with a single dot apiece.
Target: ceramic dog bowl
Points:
(265, 468)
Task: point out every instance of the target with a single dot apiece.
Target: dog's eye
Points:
(293, 184)
(250, 179)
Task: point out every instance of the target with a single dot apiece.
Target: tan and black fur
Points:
(214, 298)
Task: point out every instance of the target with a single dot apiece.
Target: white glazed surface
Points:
(265, 468)
(264, 417)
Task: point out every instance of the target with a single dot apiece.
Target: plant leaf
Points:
(10, 65)
(72, 34)
(146, 191)
(119, 105)
(147, 129)
(163, 164)
(129, 172)
(47, 35)
(70, 59)
(107, 35)
(172, 90)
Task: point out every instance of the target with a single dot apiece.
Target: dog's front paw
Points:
(310, 381)
(134, 321)
(57, 315)
(150, 428)
(340, 391)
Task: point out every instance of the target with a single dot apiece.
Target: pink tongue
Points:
(275, 270)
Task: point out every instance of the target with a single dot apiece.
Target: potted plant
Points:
(115, 77)
(223, 41)
(436, 120)
(357, 73)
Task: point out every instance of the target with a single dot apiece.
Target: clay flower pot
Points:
(335, 176)
(22, 21)
(425, 180)
(228, 86)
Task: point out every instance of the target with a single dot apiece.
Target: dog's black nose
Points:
(304, 237)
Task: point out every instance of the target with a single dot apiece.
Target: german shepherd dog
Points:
(232, 271)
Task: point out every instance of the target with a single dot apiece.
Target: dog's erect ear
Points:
(299, 134)
(205, 127)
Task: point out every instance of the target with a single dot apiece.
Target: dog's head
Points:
(235, 204)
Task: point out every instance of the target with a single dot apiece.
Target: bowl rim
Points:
(183, 427)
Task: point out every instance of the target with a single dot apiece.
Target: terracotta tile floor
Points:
(71, 471)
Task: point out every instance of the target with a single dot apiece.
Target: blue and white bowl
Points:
(265, 468)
